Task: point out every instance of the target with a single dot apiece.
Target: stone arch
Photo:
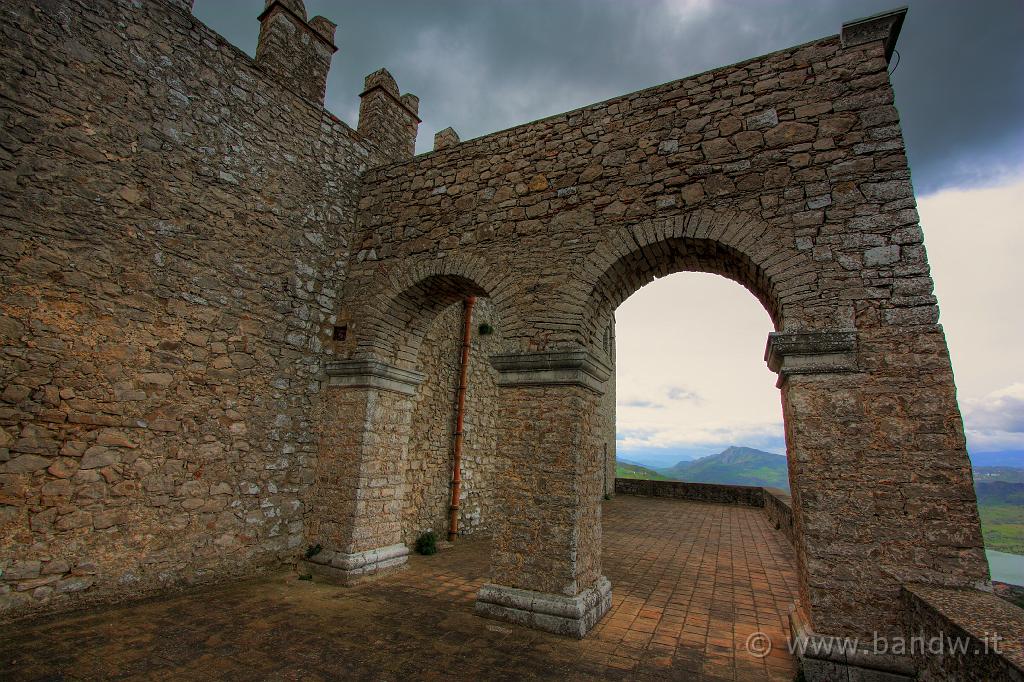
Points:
(408, 299)
(732, 244)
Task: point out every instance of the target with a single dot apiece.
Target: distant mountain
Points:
(999, 492)
(624, 469)
(735, 466)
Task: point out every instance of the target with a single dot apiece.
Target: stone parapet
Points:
(751, 496)
(988, 630)
(778, 507)
(825, 658)
(562, 615)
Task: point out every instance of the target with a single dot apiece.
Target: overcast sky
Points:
(485, 65)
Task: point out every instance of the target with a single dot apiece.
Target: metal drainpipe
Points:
(460, 415)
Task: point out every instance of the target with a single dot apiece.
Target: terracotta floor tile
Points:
(690, 583)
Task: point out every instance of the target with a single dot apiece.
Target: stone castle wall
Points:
(175, 228)
(188, 239)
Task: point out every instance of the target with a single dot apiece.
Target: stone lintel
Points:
(346, 569)
(373, 374)
(562, 615)
(828, 352)
(884, 26)
(825, 658)
(557, 368)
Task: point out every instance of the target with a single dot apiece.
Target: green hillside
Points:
(1001, 507)
(630, 470)
(734, 466)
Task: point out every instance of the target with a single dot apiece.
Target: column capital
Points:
(819, 352)
(373, 374)
(552, 368)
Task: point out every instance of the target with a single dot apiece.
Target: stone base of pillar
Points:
(346, 569)
(571, 616)
(824, 658)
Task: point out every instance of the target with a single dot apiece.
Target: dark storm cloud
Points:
(484, 65)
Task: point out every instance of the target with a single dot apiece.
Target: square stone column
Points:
(881, 482)
(356, 498)
(546, 562)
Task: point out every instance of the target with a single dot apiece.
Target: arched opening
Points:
(384, 474)
(428, 467)
(423, 329)
(694, 402)
(691, 381)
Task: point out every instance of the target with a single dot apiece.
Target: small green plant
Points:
(306, 576)
(427, 543)
(485, 329)
(313, 550)
(607, 496)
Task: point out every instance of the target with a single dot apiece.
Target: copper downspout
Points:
(460, 416)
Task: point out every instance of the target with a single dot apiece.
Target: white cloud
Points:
(975, 241)
(693, 344)
(995, 422)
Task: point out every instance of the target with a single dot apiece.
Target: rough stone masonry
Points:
(230, 322)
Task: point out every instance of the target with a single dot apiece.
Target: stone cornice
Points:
(885, 26)
(823, 352)
(572, 368)
(373, 374)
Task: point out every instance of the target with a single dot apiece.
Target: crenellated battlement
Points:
(445, 138)
(388, 119)
(295, 51)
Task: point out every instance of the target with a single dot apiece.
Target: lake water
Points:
(1006, 568)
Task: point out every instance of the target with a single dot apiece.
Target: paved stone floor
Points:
(690, 583)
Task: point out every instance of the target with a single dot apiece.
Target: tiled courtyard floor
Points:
(690, 583)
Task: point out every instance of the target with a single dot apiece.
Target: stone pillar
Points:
(546, 562)
(881, 483)
(356, 501)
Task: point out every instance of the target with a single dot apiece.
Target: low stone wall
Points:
(697, 492)
(777, 503)
(968, 623)
(778, 506)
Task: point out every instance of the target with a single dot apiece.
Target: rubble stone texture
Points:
(230, 322)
